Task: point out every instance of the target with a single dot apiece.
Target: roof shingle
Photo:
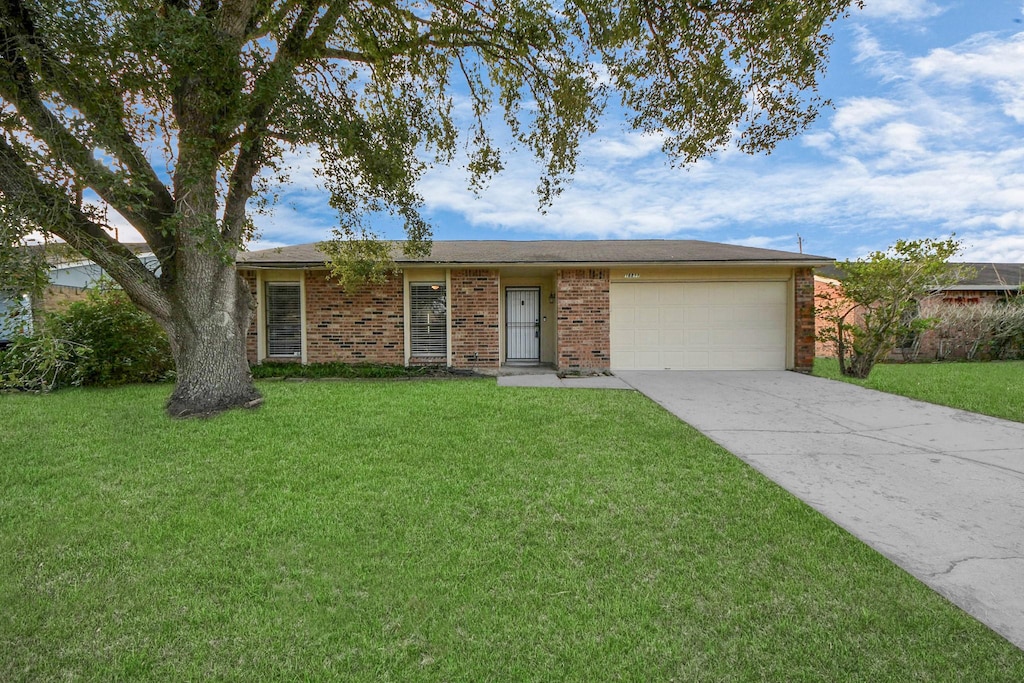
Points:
(509, 252)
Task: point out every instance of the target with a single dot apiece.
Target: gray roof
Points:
(551, 252)
(988, 276)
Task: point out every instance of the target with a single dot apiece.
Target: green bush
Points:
(270, 370)
(981, 331)
(40, 363)
(126, 345)
(104, 340)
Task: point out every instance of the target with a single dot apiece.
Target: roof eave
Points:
(980, 288)
(805, 263)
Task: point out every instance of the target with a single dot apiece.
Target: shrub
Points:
(103, 340)
(126, 345)
(986, 331)
(268, 370)
(40, 363)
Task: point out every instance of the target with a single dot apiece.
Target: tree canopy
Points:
(176, 115)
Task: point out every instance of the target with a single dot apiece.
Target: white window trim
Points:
(447, 306)
(413, 276)
(262, 278)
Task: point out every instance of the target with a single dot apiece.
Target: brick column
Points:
(473, 312)
(582, 331)
(251, 338)
(803, 317)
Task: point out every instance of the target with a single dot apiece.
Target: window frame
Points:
(424, 312)
(269, 320)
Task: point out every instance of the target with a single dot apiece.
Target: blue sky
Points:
(925, 138)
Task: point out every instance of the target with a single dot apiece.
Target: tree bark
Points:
(208, 327)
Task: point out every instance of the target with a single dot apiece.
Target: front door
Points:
(522, 324)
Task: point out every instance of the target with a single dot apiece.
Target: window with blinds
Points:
(428, 319)
(284, 319)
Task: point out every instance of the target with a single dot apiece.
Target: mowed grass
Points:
(995, 388)
(435, 531)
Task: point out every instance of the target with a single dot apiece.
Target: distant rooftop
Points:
(551, 252)
(988, 276)
(61, 253)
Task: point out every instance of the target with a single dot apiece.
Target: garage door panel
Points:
(646, 359)
(697, 315)
(672, 338)
(698, 338)
(673, 357)
(648, 337)
(767, 313)
(734, 325)
(697, 360)
(674, 317)
(623, 339)
(625, 319)
(647, 315)
(647, 297)
(723, 314)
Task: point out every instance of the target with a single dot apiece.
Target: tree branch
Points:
(49, 207)
(264, 95)
(102, 104)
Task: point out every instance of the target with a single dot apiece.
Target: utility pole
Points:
(800, 243)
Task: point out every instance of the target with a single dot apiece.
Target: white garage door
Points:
(698, 325)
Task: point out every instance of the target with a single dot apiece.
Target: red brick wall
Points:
(473, 311)
(251, 339)
(825, 291)
(803, 318)
(582, 337)
(354, 327)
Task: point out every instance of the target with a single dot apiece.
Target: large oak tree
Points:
(177, 113)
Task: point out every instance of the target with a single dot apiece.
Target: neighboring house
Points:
(70, 278)
(574, 305)
(15, 316)
(991, 283)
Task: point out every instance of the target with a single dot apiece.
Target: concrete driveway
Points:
(938, 491)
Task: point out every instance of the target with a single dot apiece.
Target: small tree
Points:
(875, 304)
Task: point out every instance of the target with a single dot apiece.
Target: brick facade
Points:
(474, 318)
(364, 326)
(369, 325)
(803, 317)
(582, 331)
(58, 297)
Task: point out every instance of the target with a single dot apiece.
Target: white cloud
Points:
(986, 56)
(901, 10)
(859, 112)
(887, 65)
(993, 247)
(986, 61)
(628, 147)
(784, 243)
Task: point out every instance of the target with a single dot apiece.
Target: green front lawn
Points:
(435, 530)
(995, 388)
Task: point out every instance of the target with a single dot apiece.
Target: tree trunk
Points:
(211, 311)
(860, 366)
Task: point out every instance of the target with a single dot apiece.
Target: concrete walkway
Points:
(938, 491)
